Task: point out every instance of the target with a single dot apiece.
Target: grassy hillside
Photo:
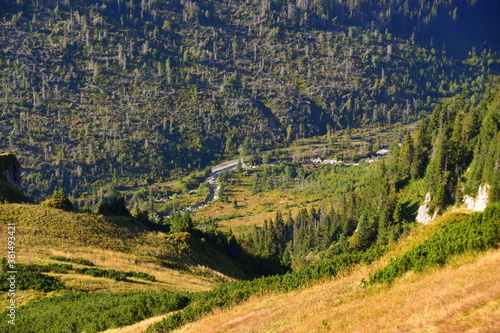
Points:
(179, 262)
(463, 295)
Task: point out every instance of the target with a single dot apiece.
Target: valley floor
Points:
(464, 296)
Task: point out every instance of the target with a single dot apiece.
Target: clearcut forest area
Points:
(249, 166)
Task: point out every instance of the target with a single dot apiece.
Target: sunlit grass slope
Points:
(445, 300)
(463, 295)
(179, 262)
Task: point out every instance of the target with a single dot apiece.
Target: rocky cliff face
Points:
(11, 169)
(480, 202)
(10, 179)
(423, 215)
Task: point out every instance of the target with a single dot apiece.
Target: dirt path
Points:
(137, 327)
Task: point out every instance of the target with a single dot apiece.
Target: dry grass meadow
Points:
(452, 299)
(463, 296)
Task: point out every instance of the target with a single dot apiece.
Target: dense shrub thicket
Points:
(92, 313)
(27, 278)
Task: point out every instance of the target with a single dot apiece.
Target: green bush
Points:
(58, 200)
(142, 275)
(114, 274)
(55, 268)
(106, 273)
(75, 260)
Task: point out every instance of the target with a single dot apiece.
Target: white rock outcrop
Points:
(423, 215)
(480, 202)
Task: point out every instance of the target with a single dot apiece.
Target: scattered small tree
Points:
(59, 200)
(115, 207)
(181, 222)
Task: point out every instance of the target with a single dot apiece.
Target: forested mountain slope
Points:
(454, 151)
(96, 95)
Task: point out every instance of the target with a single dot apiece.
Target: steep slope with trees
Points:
(452, 153)
(99, 95)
